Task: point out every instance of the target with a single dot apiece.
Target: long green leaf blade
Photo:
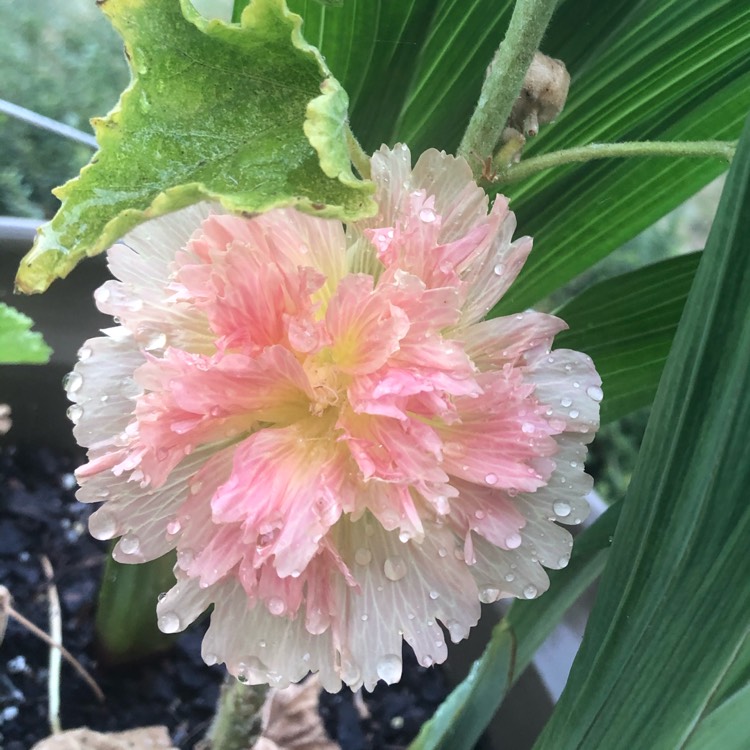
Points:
(672, 613)
(626, 325)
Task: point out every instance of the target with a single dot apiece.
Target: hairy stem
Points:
(699, 149)
(359, 158)
(504, 79)
(237, 722)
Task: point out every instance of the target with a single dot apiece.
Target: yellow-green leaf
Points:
(246, 114)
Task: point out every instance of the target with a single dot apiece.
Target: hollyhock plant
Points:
(343, 453)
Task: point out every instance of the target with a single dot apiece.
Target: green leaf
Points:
(726, 727)
(18, 343)
(248, 116)
(671, 616)
(672, 70)
(626, 325)
(372, 47)
(464, 715)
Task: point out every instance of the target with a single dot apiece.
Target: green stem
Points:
(237, 722)
(356, 153)
(126, 628)
(700, 149)
(237, 8)
(504, 79)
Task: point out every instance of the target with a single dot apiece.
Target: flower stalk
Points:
(237, 722)
(694, 149)
(504, 79)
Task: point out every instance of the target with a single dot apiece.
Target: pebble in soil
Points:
(39, 515)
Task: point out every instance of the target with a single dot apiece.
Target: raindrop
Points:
(509, 577)
(563, 561)
(394, 569)
(576, 384)
(85, 352)
(295, 574)
(573, 413)
(364, 617)
(489, 594)
(161, 596)
(561, 509)
(427, 215)
(103, 525)
(363, 556)
(102, 294)
(389, 668)
(491, 479)
(276, 606)
(72, 382)
(130, 544)
(74, 412)
(426, 662)
(566, 402)
(210, 658)
(306, 657)
(528, 428)
(434, 595)
(595, 392)
(443, 552)
(156, 341)
(262, 644)
(455, 629)
(513, 541)
(350, 672)
(173, 527)
(169, 622)
(104, 398)
(530, 591)
(499, 268)
(404, 537)
(479, 514)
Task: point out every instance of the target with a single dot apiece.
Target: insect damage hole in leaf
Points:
(247, 115)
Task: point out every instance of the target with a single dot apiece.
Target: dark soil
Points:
(39, 515)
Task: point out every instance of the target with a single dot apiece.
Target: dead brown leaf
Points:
(291, 720)
(144, 738)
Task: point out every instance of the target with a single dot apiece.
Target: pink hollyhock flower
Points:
(317, 419)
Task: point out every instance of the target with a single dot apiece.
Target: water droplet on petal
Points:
(103, 525)
(394, 569)
(389, 668)
(513, 541)
(210, 658)
(156, 341)
(169, 622)
(350, 673)
(363, 556)
(442, 552)
(574, 413)
(364, 617)
(276, 606)
(74, 412)
(561, 509)
(489, 594)
(427, 215)
(296, 573)
(509, 577)
(566, 401)
(479, 514)
(499, 268)
(456, 630)
(102, 294)
(530, 591)
(434, 595)
(491, 479)
(84, 353)
(563, 561)
(173, 527)
(72, 382)
(130, 544)
(404, 537)
(595, 392)
(528, 428)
